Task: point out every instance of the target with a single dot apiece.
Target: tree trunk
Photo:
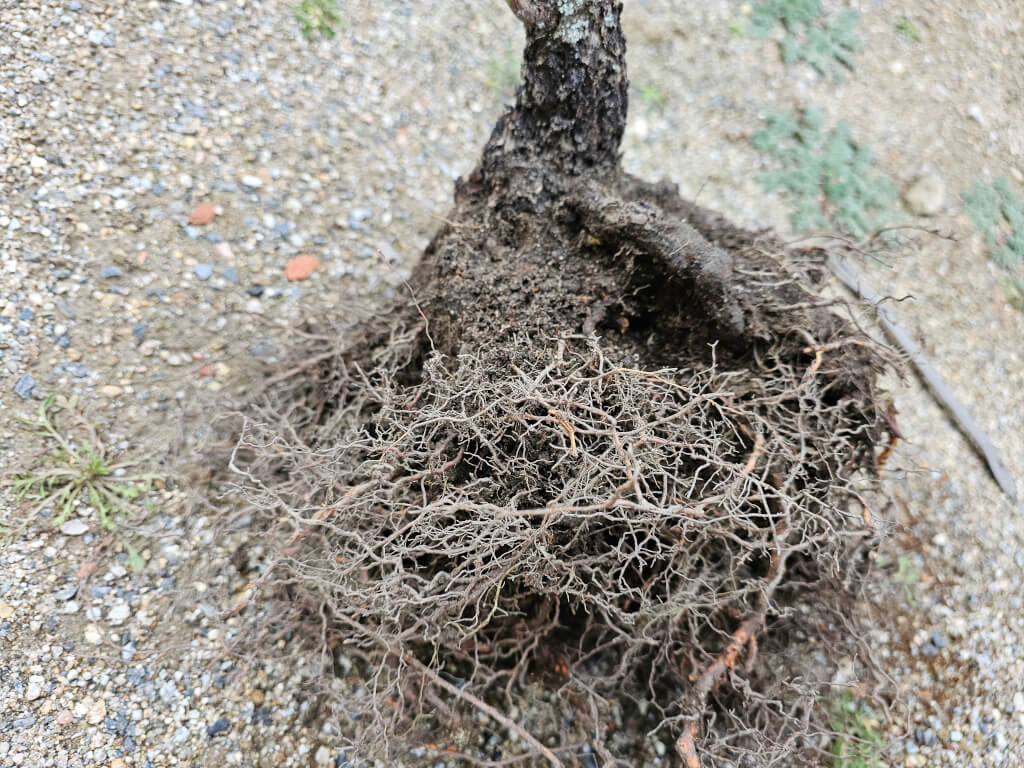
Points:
(548, 233)
(570, 111)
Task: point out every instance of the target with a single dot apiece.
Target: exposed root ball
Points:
(610, 447)
(547, 507)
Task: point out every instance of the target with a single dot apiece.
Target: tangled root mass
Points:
(550, 507)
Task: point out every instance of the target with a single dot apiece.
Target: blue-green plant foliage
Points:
(828, 175)
(997, 211)
(827, 43)
(793, 14)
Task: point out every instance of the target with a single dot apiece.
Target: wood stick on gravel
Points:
(931, 378)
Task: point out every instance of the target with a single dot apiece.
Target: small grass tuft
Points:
(503, 72)
(905, 573)
(908, 29)
(828, 175)
(827, 43)
(997, 211)
(77, 475)
(857, 742)
(652, 96)
(318, 17)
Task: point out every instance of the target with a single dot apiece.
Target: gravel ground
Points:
(117, 119)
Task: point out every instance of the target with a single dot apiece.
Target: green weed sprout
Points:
(997, 211)
(653, 96)
(857, 742)
(503, 72)
(321, 17)
(908, 29)
(828, 175)
(72, 475)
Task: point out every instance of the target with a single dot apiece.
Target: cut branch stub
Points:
(529, 12)
(570, 111)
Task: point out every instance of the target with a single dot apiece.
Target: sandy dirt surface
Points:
(118, 118)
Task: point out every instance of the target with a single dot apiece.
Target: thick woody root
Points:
(549, 510)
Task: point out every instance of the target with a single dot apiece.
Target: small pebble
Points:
(119, 613)
(74, 527)
(222, 725)
(66, 594)
(97, 713)
(202, 214)
(926, 196)
(24, 387)
(110, 271)
(301, 267)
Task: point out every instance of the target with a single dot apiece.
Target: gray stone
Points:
(74, 527)
(66, 594)
(358, 216)
(203, 271)
(168, 692)
(110, 271)
(23, 388)
(221, 725)
(926, 196)
(119, 613)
